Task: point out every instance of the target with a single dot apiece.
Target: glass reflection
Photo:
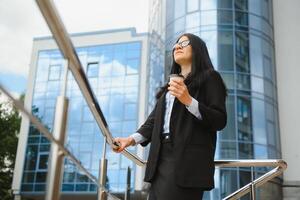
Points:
(225, 4)
(244, 119)
(225, 51)
(206, 5)
(208, 18)
(228, 182)
(192, 20)
(192, 5)
(259, 124)
(242, 52)
(225, 17)
(113, 72)
(229, 132)
(243, 81)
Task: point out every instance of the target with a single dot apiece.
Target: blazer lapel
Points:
(161, 107)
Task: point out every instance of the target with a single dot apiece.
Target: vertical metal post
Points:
(56, 157)
(252, 189)
(102, 173)
(127, 192)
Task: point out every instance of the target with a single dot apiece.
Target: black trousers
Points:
(163, 186)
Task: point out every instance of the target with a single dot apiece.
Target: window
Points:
(132, 66)
(243, 81)
(228, 79)
(241, 4)
(134, 53)
(85, 155)
(260, 151)
(257, 84)
(28, 177)
(130, 111)
(42, 69)
(54, 72)
(241, 18)
(87, 128)
(228, 179)
(42, 161)
(118, 66)
(129, 127)
(256, 55)
(244, 119)
(228, 150)
(208, 18)
(259, 121)
(67, 187)
(243, 107)
(225, 4)
(31, 157)
(87, 114)
(179, 8)
(269, 89)
(116, 107)
(245, 150)
(192, 5)
(229, 132)
(48, 116)
(41, 177)
(267, 67)
(179, 25)
(271, 133)
(242, 52)
(206, 5)
(131, 80)
(265, 9)
(133, 46)
(92, 69)
(192, 20)
(81, 178)
(225, 17)
(225, 51)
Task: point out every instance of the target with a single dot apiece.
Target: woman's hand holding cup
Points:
(178, 89)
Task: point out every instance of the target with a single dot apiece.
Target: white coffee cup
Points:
(175, 77)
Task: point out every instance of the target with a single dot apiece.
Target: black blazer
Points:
(194, 139)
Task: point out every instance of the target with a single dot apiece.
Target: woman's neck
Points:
(185, 70)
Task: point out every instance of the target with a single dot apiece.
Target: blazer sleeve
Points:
(147, 128)
(213, 111)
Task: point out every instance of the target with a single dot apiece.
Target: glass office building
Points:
(114, 72)
(239, 36)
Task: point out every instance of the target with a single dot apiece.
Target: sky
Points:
(21, 21)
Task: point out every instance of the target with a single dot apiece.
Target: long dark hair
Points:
(201, 64)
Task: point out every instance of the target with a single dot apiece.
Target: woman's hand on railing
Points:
(122, 143)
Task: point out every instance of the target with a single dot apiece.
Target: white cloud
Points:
(90, 15)
(21, 21)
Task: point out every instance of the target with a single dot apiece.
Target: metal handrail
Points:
(280, 166)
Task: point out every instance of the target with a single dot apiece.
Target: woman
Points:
(182, 127)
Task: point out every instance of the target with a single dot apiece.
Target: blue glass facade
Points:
(239, 37)
(114, 73)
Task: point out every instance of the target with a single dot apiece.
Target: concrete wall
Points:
(287, 47)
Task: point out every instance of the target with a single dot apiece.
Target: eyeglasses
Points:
(182, 44)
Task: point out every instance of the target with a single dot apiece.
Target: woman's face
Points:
(183, 51)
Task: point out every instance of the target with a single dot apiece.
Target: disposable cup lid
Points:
(175, 75)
